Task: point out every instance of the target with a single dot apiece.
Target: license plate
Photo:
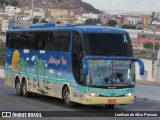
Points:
(111, 101)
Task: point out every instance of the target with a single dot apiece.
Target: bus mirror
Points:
(85, 66)
(141, 66)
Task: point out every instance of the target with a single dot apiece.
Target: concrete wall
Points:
(1, 73)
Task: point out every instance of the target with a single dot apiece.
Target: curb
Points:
(147, 82)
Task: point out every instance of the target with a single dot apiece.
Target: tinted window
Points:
(53, 40)
(64, 40)
(76, 42)
(108, 44)
(21, 40)
(41, 38)
(58, 41)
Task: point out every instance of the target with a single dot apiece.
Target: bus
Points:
(74, 63)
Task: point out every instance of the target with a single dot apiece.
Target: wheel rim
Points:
(18, 87)
(66, 95)
(24, 89)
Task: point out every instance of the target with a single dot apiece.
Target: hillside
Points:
(63, 4)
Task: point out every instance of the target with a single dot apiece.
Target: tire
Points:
(66, 98)
(110, 106)
(25, 93)
(18, 87)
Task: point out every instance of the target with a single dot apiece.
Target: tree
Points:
(44, 21)
(128, 26)
(112, 23)
(150, 45)
(13, 2)
(3, 2)
(35, 20)
(92, 21)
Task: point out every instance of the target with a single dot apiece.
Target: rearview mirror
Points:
(141, 66)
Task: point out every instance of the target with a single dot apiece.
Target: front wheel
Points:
(18, 87)
(25, 93)
(66, 97)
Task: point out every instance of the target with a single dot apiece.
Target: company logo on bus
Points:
(57, 61)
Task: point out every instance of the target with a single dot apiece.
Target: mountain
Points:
(77, 5)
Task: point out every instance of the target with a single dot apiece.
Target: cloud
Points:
(33, 58)
(26, 51)
(27, 59)
(6, 64)
(51, 71)
(42, 51)
(59, 73)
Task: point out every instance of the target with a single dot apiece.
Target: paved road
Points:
(9, 101)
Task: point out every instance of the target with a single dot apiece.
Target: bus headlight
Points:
(92, 94)
(129, 94)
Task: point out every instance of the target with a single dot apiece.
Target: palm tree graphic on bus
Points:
(22, 65)
(40, 68)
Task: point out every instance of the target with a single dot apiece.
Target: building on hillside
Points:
(91, 15)
(12, 9)
(146, 20)
(37, 13)
(58, 12)
(2, 10)
(120, 20)
(131, 20)
(6, 24)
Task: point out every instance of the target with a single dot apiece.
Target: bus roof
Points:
(51, 27)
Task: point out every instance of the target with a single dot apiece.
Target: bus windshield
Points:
(111, 73)
(108, 44)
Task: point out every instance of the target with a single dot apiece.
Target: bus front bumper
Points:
(93, 100)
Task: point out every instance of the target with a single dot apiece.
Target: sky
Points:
(131, 5)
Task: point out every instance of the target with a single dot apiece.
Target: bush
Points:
(2, 53)
(150, 45)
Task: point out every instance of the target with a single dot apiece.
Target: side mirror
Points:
(141, 66)
(84, 66)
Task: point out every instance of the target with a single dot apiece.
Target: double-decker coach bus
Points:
(91, 65)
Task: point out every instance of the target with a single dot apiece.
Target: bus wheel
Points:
(18, 87)
(109, 106)
(25, 93)
(66, 97)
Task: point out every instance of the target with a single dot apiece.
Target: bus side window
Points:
(64, 41)
(51, 41)
(41, 40)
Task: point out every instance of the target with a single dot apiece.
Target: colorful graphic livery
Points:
(90, 65)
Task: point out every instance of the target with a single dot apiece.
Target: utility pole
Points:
(153, 53)
(32, 12)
